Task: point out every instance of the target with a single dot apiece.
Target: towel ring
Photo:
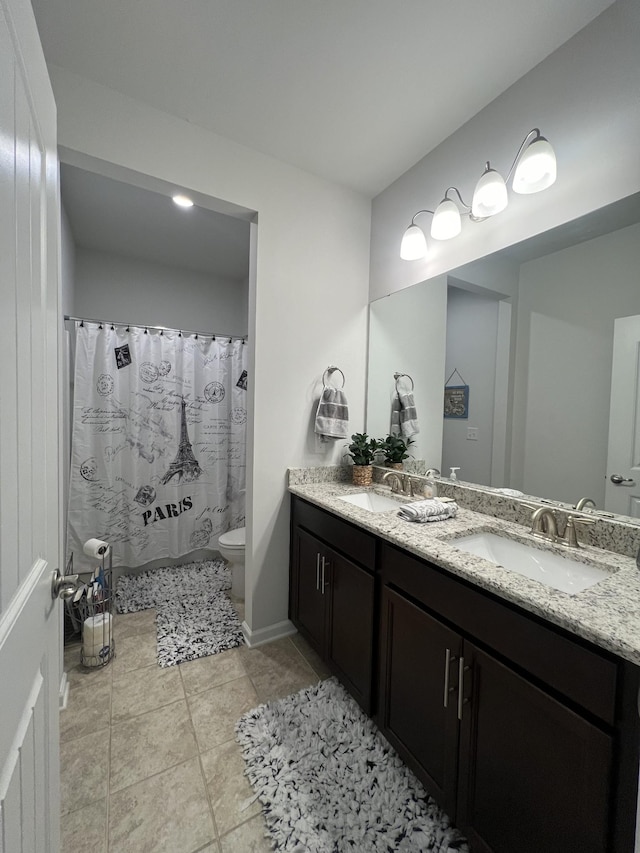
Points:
(398, 376)
(331, 369)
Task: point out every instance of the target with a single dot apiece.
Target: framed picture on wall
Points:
(456, 401)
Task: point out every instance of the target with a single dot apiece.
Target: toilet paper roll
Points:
(95, 548)
(97, 634)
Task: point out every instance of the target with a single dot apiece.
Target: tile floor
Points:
(149, 761)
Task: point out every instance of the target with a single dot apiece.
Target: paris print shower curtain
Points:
(158, 442)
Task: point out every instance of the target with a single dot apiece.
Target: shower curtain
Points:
(158, 442)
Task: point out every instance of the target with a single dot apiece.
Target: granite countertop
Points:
(607, 614)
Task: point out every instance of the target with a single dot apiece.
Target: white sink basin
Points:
(372, 501)
(551, 569)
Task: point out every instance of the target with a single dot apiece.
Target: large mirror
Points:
(535, 335)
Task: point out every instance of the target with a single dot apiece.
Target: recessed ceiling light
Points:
(182, 201)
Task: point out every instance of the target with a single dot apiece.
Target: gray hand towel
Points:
(332, 415)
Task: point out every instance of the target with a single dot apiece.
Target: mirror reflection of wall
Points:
(539, 384)
(476, 324)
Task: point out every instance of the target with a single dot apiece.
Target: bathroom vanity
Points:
(515, 704)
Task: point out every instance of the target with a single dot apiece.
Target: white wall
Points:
(307, 310)
(472, 336)
(406, 333)
(584, 97)
(131, 290)
(567, 304)
(67, 264)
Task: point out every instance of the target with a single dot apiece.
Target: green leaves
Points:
(395, 448)
(362, 448)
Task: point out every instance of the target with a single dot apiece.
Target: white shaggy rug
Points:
(195, 617)
(330, 783)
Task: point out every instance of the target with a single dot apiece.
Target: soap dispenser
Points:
(453, 475)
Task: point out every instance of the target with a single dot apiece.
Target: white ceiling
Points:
(356, 91)
(111, 216)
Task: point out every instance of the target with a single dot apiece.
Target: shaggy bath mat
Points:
(195, 617)
(330, 783)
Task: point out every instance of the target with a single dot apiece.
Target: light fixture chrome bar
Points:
(523, 145)
(243, 338)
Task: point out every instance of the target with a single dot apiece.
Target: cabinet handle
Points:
(325, 564)
(461, 700)
(448, 660)
(318, 571)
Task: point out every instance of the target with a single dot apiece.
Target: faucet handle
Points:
(570, 535)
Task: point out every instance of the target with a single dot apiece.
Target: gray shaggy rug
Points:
(195, 617)
(330, 783)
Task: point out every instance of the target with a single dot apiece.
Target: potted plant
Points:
(362, 450)
(395, 450)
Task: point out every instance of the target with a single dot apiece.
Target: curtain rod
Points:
(242, 338)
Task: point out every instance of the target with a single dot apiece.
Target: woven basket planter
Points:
(362, 475)
(395, 466)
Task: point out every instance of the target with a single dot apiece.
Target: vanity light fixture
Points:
(533, 170)
(182, 201)
(414, 243)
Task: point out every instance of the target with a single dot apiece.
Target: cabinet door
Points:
(309, 611)
(350, 630)
(534, 776)
(418, 686)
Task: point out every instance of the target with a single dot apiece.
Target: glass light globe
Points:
(414, 244)
(446, 222)
(490, 196)
(536, 169)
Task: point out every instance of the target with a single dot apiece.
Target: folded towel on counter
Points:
(332, 415)
(429, 510)
(404, 418)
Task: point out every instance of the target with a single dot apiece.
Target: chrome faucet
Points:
(583, 502)
(401, 484)
(397, 481)
(543, 523)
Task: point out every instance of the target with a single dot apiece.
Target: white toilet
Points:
(231, 546)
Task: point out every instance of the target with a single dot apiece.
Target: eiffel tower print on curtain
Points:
(185, 465)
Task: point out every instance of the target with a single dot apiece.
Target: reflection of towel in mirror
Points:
(404, 418)
(332, 416)
(429, 510)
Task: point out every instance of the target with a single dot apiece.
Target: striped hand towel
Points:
(332, 415)
(404, 418)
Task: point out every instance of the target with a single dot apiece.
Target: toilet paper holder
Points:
(95, 599)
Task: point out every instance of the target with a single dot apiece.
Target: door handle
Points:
(318, 571)
(63, 586)
(448, 660)
(461, 700)
(619, 480)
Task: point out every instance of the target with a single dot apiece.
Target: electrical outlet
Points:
(472, 433)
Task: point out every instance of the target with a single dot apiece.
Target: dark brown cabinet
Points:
(534, 775)
(526, 735)
(332, 596)
(516, 763)
(418, 679)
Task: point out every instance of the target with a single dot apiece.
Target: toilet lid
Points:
(233, 538)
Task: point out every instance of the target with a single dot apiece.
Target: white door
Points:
(29, 445)
(622, 491)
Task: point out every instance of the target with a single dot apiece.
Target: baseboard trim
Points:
(268, 634)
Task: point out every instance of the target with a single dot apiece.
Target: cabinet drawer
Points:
(577, 671)
(340, 535)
